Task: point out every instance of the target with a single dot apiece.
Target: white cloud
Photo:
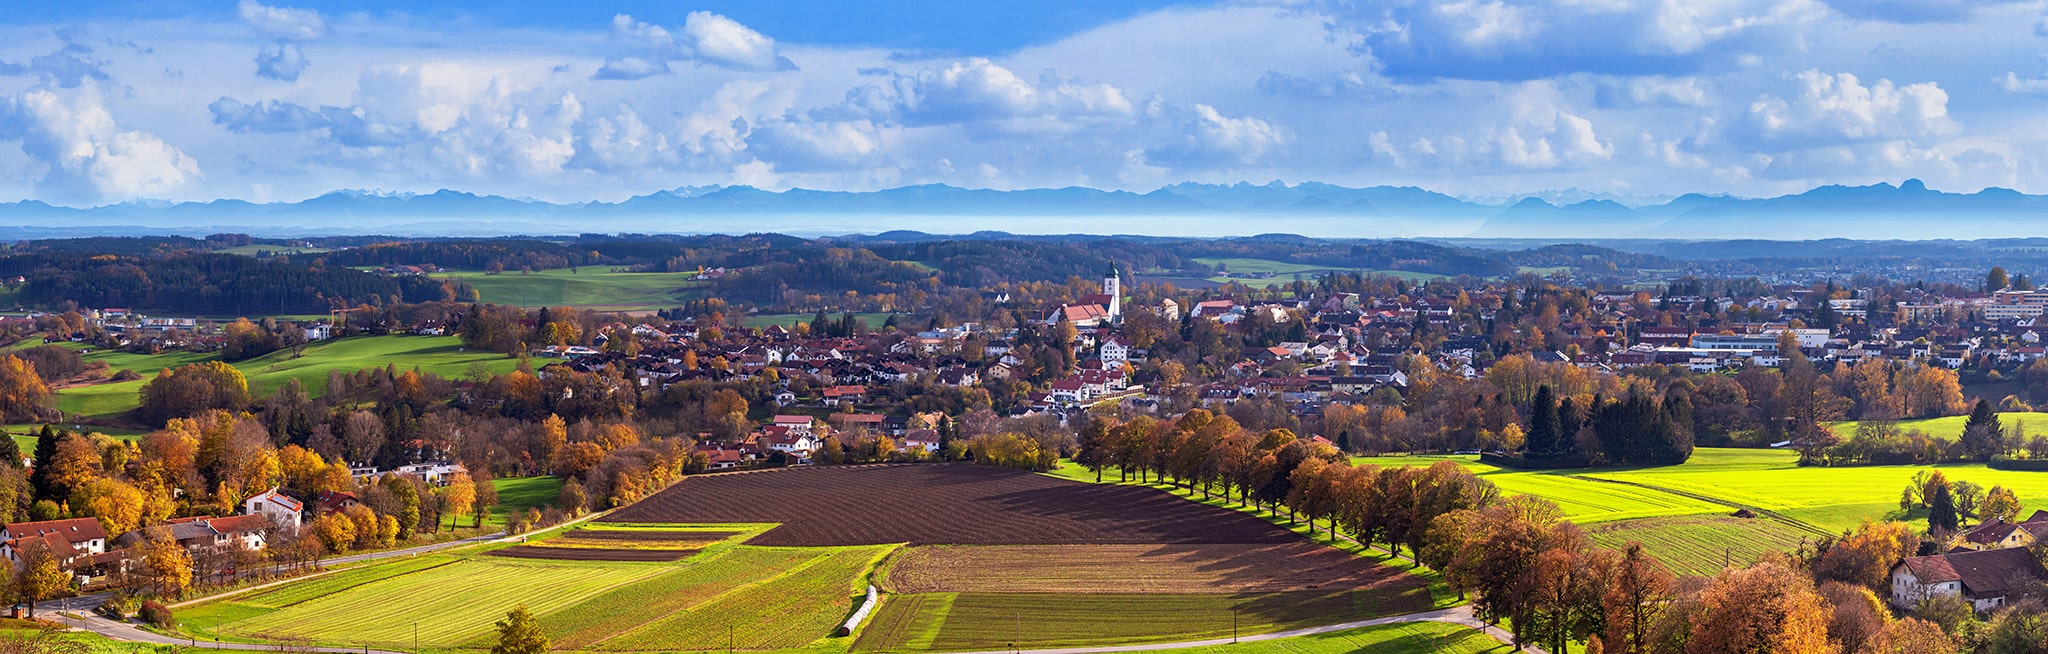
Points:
(283, 23)
(1247, 138)
(281, 61)
(705, 37)
(979, 91)
(1840, 106)
(88, 156)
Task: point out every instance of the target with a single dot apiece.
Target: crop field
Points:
(459, 599)
(439, 355)
(1196, 569)
(1406, 638)
(590, 287)
(786, 611)
(981, 505)
(950, 622)
(1832, 499)
(1702, 545)
(1951, 427)
(774, 598)
(553, 553)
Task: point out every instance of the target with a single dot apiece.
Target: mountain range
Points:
(1908, 210)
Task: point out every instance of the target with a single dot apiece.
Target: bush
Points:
(156, 614)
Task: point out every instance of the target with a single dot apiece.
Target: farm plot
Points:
(452, 604)
(628, 607)
(551, 553)
(1702, 545)
(979, 505)
(1226, 569)
(983, 621)
(787, 611)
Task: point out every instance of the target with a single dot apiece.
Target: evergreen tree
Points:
(1983, 436)
(1941, 510)
(10, 452)
(1543, 423)
(46, 452)
(1570, 418)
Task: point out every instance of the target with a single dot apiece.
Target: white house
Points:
(279, 507)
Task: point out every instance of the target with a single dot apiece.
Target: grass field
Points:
(1409, 638)
(1702, 545)
(1830, 499)
(770, 599)
(439, 355)
(1583, 500)
(951, 622)
(1951, 427)
(590, 287)
(250, 250)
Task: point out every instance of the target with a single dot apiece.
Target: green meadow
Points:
(1951, 427)
(439, 355)
(589, 287)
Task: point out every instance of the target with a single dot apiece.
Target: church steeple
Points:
(1112, 286)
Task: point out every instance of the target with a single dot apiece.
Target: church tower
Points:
(1112, 286)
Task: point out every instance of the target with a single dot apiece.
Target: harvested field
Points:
(649, 535)
(943, 504)
(961, 622)
(1209, 568)
(590, 553)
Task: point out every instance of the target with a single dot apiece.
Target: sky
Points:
(107, 101)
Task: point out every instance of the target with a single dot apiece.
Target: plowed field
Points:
(1203, 569)
(944, 504)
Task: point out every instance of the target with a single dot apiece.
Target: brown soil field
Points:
(648, 535)
(944, 504)
(590, 554)
(1183, 569)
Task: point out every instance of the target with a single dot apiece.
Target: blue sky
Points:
(116, 100)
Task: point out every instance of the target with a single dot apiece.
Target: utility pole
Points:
(1233, 625)
(415, 637)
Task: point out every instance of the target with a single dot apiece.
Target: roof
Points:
(1081, 312)
(240, 523)
(281, 499)
(1987, 573)
(792, 420)
(74, 530)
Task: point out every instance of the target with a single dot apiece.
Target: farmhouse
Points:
(1984, 578)
(278, 507)
(70, 539)
(1999, 534)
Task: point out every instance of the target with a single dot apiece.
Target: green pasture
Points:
(440, 355)
(957, 622)
(589, 287)
(755, 598)
(253, 248)
(1584, 501)
(1830, 499)
(1951, 427)
(1405, 638)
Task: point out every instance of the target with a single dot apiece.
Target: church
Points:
(1097, 309)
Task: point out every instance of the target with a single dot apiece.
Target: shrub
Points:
(156, 614)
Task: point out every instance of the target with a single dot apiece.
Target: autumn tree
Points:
(458, 498)
(167, 565)
(1641, 588)
(1767, 607)
(520, 633)
(1864, 557)
(23, 395)
(39, 575)
(2000, 503)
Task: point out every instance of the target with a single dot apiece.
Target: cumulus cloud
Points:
(1841, 107)
(282, 23)
(704, 38)
(1206, 137)
(89, 157)
(980, 91)
(68, 67)
(1532, 39)
(281, 61)
(813, 146)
